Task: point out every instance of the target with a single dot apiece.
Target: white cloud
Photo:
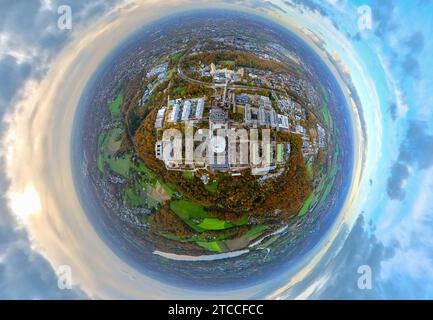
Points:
(413, 234)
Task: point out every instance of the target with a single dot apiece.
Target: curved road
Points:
(214, 86)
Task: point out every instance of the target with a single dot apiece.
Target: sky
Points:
(386, 223)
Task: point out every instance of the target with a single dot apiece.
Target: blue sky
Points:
(392, 232)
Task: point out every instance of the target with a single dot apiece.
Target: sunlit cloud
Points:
(38, 162)
(25, 203)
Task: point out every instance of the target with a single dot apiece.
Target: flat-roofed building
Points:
(186, 110)
(200, 109)
(175, 112)
(159, 122)
(223, 75)
(283, 122)
(262, 171)
(265, 102)
(243, 99)
(218, 116)
(251, 115)
(268, 117)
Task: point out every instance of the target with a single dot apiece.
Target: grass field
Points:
(156, 191)
(307, 205)
(188, 175)
(215, 224)
(100, 162)
(110, 143)
(132, 199)
(327, 116)
(189, 211)
(120, 165)
(310, 170)
(145, 171)
(115, 107)
(228, 62)
(168, 188)
(210, 246)
(114, 140)
(195, 216)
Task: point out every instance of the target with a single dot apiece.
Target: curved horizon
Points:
(43, 197)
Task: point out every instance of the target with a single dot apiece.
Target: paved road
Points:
(222, 85)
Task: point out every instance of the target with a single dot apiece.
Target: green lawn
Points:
(120, 165)
(215, 224)
(189, 211)
(327, 116)
(101, 163)
(280, 151)
(145, 171)
(102, 141)
(115, 107)
(168, 188)
(172, 237)
(228, 62)
(210, 246)
(310, 170)
(307, 205)
(188, 175)
(132, 199)
(111, 143)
